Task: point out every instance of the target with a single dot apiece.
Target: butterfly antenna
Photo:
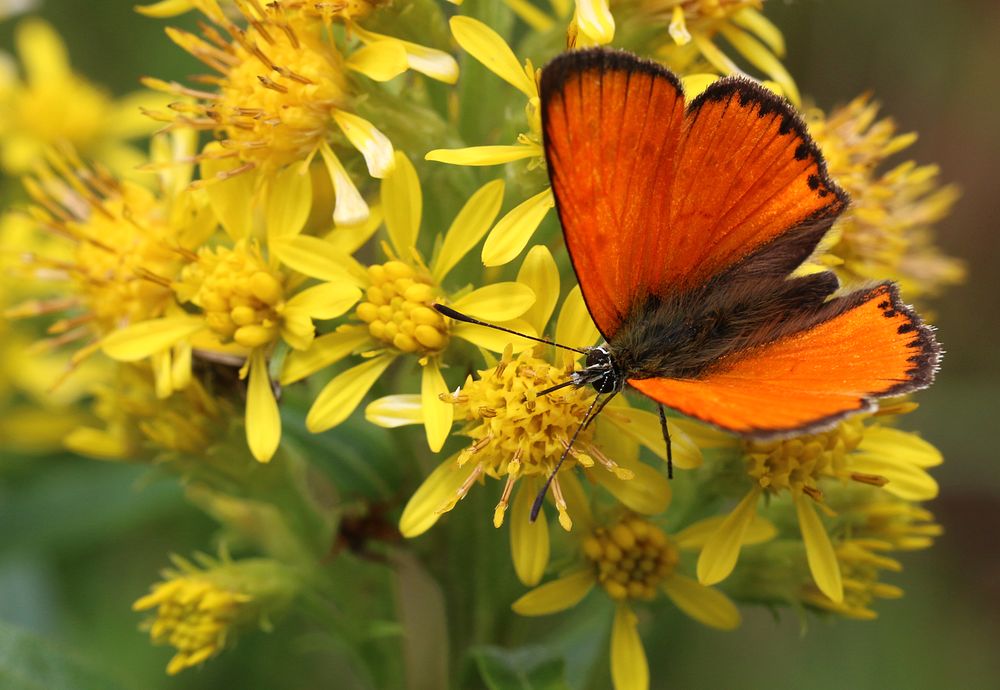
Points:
(458, 316)
(540, 498)
(552, 389)
(666, 439)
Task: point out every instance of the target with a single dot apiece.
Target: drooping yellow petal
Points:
(146, 338)
(762, 58)
(532, 16)
(497, 302)
(512, 233)
(42, 52)
(366, 138)
(319, 259)
(402, 204)
(349, 206)
(422, 510)
(629, 668)
(715, 57)
(164, 9)
(647, 492)
(645, 428)
(529, 541)
(819, 550)
(753, 20)
(594, 20)
(494, 340)
(695, 536)
(487, 46)
(575, 327)
(227, 194)
(393, 411)
(288, 202)
(325, 350)
(540, 273)
(341, 396)
(717, 560)
(380, 60)
(706, 605)
(262, 418)
(468, 228)
(438, 415)
(484, 155)
(555, 596)
(326, 301)
(436, 64)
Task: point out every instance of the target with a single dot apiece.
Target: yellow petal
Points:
(706, 605)
(487, 46)
(262, 418)
(438, 415)
(366, 138)
(492, 339)
(529, 541)
(165, 9)
(42, 52)
(722, 549)
(540, 273)
(497, 302)
(695, 536)
(594, 19)
(647, 492)
(629, 669)
(326, 301)
(468, 228)
(297, 328)
(101, 444)
(819, 551)
(762, 58)
(325, 350)
(715, 57)
(421, 511)
(319, 259)
(759, 25)
(645, 428)
(532, 16)
(380, 60)
(575, 327)
(341, 396)
(288, 202)
(512, 233)
(349, 206)
(146, 338)
(393, 411)
(555, 596)
(402, 204)
(230, 197)
(903, 446)
(694, 84)
(349, 238)
(906, 481)
(436, 64)
(484, 155)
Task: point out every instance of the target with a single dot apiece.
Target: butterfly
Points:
(684, 223)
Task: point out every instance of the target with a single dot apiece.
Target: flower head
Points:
(857, 450)
(199, 608)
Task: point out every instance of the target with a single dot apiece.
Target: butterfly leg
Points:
(600, 407)
(666, 439)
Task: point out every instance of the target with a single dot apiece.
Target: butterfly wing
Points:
(866, 344)
(635, 176)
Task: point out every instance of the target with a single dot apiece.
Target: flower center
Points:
(797, 463)
(398, 309)
(242, 298)
(631, 558)
(284, 81)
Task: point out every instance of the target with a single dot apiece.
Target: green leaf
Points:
(526, 668)
(28, 662)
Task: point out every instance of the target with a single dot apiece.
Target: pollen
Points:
(631, 558)
(241, 296)
(398, 308)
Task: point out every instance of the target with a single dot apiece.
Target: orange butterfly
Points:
(684, 223)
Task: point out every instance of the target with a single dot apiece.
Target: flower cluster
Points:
(249, 301)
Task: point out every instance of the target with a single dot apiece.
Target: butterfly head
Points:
(599, 371)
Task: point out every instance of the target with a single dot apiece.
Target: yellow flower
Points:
(634, 560)
(512, 233)
(54, 105)
(395, 316)
(519, 437)
(857, 449)
(285, 92)
(199, 609)
(887, 232)
(245, 300)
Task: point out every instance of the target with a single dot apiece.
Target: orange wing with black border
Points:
(637, 175)
(872, 346)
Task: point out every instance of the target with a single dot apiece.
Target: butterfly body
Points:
(685, 224)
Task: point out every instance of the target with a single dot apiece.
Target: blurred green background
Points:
(81, 540)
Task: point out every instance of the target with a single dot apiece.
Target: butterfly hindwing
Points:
(867, 344)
